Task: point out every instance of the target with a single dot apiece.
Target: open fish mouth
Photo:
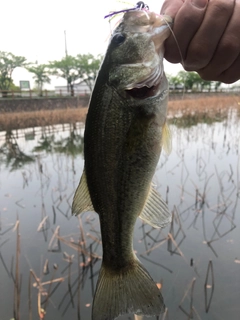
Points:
(148, 87)
(159, 29)
(144, 92)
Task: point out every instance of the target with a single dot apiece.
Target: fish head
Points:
(135, 54)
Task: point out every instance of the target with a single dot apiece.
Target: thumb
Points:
(171, 7)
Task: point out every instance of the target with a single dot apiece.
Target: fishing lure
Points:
(139, 6)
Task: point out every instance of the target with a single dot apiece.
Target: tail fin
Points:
(124, 292)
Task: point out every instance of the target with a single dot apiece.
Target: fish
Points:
(125, 131)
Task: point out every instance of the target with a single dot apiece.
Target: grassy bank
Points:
(206, 105)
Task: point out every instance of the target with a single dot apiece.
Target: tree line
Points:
(191, 81)
(82, 68)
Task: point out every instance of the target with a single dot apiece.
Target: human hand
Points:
(207, 33)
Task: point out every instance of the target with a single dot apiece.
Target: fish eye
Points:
(119, 38)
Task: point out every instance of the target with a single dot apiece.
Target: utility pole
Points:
(66, 54)
(65, 37)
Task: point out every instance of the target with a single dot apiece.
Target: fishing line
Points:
(178, 47)
(139, 6)
(175, 39)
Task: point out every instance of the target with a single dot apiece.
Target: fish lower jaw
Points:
(144, 91)
(149, 87)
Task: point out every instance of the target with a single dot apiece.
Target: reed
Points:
(29, 119)
(208, 105)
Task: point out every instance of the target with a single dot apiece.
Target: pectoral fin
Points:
(82, 200)
(166, 139)
(155, 211)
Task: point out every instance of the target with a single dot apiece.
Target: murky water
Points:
(49, 260)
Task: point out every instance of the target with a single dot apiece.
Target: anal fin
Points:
(155, 211)
(82, 200)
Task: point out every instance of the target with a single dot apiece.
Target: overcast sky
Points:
(35, 29)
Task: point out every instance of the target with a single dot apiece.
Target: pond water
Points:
(49, 260)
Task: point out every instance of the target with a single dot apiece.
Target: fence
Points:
(15, 94)
(57, 93)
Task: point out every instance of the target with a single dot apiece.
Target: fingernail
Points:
(200, 3)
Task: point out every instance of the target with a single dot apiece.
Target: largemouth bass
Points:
(124, 134)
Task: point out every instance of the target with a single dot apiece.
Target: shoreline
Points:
(186, 106)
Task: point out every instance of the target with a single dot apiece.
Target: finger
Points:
(171, 7)
(231, 74)
(229, 46)
(186, 23)
(205, 41)
(228, 76)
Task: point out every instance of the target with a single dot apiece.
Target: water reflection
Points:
(70, 145)
(11, 154)
(49, 261)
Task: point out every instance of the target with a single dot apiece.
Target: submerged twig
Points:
(191, 287)
(209, 286)
(17, 282)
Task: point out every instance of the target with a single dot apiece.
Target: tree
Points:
(66, 69)
(87, 67)
(174, 81)
(190, 79)
(82, 68)
(217, 84)
(40, 76)
(205, 84)
(8, 62)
